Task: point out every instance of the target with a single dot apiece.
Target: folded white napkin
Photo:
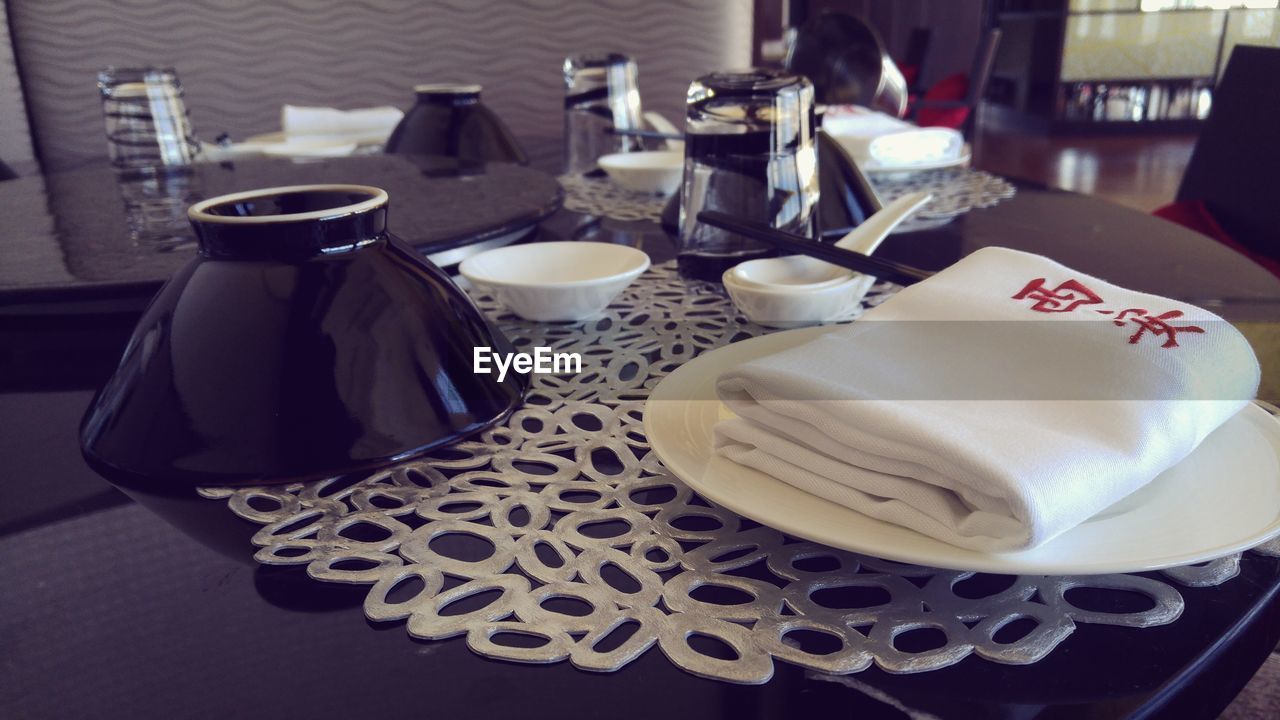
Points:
(888, 141)
(362, 125)
(993, 406)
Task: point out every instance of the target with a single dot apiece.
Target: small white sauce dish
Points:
(789, 272)
(779, 306)
(556, 281)
(657, 172)
(798, 289)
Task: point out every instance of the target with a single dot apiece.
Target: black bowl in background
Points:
(449, 121)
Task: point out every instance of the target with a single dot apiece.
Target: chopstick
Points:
(882, 269)
(643, 134)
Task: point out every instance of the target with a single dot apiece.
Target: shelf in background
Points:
(1113, 67)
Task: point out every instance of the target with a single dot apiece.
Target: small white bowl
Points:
(657, 172)
(556, 281)
(778, 306)
(789, 272)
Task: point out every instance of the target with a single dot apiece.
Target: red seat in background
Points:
(952, 101)
(1195, 215)
(910, 73)
(949, 89)
(1229, 191)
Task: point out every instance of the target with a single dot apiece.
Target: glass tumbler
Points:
(155, 206)
(600, 93)
(750, 151)
(147, 121)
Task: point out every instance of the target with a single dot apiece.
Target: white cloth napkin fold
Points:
(361, 125)
(993, 406)
(888, 141)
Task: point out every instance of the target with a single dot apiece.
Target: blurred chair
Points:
(1228, 190)
(241, 61)
(953, 101)
(912, 65)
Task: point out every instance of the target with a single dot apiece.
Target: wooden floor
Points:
(1141, 172)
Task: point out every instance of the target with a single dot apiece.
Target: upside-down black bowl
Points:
(449, 121)
(302, 341)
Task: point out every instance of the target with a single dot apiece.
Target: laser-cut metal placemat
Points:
(955, 191)
(602, 197)
(573, 505)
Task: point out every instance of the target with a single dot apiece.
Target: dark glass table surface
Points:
(109, 611)
(94, 232)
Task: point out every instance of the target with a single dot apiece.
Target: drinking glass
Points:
(600, 93)
(155, 206)
(147, 121)
(750, 152)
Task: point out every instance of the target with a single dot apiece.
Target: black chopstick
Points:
(643, 133)
(883, 269)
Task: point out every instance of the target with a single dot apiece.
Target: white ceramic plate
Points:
(279, 136)
(296, 148)
(871, 166)
(1223, 498)
(309, 148)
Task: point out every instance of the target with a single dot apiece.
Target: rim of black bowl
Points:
(377, 197)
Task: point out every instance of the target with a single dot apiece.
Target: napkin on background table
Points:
(361, 125)
(993, 406)
(888, 141)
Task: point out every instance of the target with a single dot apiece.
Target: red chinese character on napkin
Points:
(1066, 297)
(1155, 324)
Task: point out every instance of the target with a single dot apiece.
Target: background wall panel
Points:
(15, 136)
(240, 60)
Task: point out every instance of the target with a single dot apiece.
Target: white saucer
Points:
(308, 148)
(1223, 498)
(322, 148)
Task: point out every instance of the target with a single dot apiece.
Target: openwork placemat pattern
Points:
(600, 197)
(955, 191)
(571, 506)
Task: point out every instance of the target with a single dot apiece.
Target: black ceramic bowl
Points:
(449, 121)
(302, 341)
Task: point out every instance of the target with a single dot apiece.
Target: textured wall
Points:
(240, 60)
(15, 138)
